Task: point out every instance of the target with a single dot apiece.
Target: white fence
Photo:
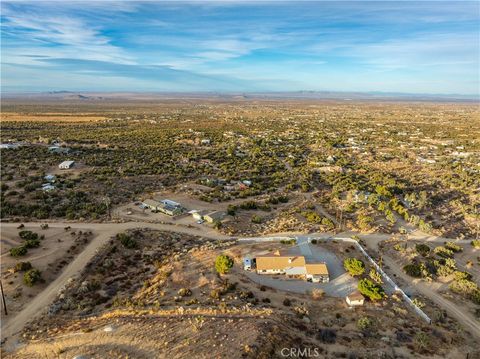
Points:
(417, 310)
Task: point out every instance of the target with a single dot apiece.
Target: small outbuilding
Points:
(355, 299)
(65, 165)
(214, 216)
(248, 263)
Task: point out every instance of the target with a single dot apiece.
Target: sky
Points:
(230, 46)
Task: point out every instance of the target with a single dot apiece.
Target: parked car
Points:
(200, 221)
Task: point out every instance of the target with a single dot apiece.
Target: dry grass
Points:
(51, 117)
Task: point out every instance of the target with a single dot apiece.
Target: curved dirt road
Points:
(13, 325)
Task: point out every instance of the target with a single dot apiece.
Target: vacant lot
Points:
(55, 251)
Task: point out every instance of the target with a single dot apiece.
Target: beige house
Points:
(355, 299)
(292, 265)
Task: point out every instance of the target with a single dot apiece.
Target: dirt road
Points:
(461, 315)
(13, 325)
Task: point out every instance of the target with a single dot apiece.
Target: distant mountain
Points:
(239, 96)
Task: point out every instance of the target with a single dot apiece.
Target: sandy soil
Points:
(57, 249)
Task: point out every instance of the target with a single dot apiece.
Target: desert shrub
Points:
(287, 302)
(365, 323)
(312, 217)
(292, 241)
(475, 243)
(223, 263)
(256, 219)
(467, 288)
(462, 275)
(249, 205)
(422, 249)
(231, 210)
(399, 247)
(354, 266)
(453, 247)
(126, 240)
(184, 292)
(418, 303)
(421, 340)
(413, 270)
(371, 290)
(23, 266)
(443, 252)
(375, 276)
(31, 277)
(327, 336)
(32, 243)
(28, 235)
(18, 251)
(317, 293)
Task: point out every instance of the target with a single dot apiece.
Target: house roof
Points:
(279, 262)
(316, 269)
(355, 296)
(152, 202)
(67, 163)
(215, 215)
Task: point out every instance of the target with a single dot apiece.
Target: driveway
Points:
(317, 253)
(339, 287)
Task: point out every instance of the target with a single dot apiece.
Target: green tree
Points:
(354, 266)
(31, 277)
(223, 263)
(371, 290)
(18, 251)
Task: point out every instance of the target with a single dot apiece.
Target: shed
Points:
(214, 216)
(354, 299)
(65, 165)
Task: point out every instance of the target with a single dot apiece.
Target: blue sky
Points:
(388, 46)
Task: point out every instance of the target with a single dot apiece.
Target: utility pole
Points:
(3, 298)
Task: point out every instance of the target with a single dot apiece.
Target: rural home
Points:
(291, 265)
(354, 299)
(47, 187)
(65, 165)
(166, 206)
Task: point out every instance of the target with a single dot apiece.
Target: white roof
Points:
(295, 271)
(67, 163)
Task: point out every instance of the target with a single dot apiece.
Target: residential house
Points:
(292, 266)
(65, 165)
(47, 187)
(279, 264)
(50, 178)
